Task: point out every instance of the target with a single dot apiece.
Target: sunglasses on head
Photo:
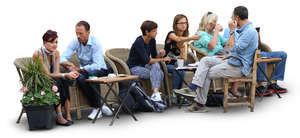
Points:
(209, 13)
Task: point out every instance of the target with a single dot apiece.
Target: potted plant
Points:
(39, 96)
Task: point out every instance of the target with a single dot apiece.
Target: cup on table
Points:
(93, 77)
(111, 75)
(180, 62)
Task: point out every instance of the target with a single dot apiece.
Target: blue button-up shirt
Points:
(242, 52)
(90, 55)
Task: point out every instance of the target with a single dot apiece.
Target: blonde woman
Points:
(211, 41)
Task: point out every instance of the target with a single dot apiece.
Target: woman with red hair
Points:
(49, 58)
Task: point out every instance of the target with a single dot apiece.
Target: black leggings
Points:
(63, 89)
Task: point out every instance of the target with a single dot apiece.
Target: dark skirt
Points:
(63, 89)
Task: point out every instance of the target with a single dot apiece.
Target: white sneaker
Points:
(106, 111)
(156, 96)
(94, 113)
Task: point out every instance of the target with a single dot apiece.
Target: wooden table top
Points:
(112, 79)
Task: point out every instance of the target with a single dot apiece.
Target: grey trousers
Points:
(212, 68)
(152, 71)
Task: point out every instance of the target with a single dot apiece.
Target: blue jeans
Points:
(177, 82)
(279, 70)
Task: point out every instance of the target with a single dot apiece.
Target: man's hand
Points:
(232, 25)
(72, 75)
(161, 53)
(70, 66)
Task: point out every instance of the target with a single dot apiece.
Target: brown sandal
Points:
(235, 94)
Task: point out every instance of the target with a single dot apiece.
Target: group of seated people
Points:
(230, 56)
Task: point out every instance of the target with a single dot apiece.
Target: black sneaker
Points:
(263, 90)
(279, 89)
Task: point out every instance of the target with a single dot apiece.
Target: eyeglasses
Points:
(182, 23)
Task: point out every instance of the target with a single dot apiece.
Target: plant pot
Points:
(39, 117)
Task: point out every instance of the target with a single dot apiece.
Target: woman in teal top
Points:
(211, 41)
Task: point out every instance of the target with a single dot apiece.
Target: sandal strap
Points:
(59, 114)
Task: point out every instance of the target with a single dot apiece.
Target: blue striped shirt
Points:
(90, 55)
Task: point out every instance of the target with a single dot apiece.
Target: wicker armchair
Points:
(200, 54)
(119, 56)
(78, 100)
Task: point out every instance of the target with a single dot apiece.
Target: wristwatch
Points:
(231, 32)
(63, 75)
(82, 69)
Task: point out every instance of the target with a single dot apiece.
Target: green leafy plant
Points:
(38, 89)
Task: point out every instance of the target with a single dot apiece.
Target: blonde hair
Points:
(207, 18)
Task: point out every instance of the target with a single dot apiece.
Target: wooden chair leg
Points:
(252, 96)
(214, 85)
(168, 99)
(225, 100)
(77, 104)
(78, 113)
(19, 118)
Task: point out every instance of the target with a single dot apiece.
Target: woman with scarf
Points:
(49, 58)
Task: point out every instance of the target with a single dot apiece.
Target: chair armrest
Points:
(111, 64)
(166, 79)
(199, 53)
(192, 58)
(120, 62)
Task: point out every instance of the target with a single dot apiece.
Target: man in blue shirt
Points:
(92, 63)
(278, 73)
(236, 64)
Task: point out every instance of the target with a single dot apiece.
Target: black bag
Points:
(129, 101)
(145, 104)
(215, 99)
(142, 101)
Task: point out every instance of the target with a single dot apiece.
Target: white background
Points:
(116, 24)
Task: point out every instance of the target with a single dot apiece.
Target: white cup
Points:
(111, 75)
(180, 62)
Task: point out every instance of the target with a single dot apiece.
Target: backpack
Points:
(129, 101)
(138, 100)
